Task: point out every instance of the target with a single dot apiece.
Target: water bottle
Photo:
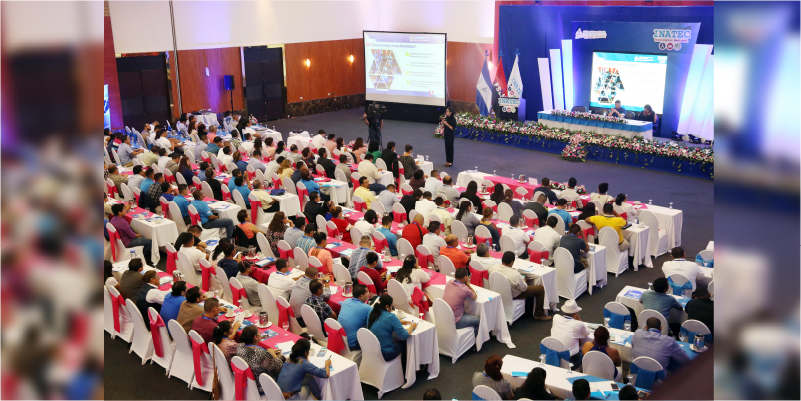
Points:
(671, 205)
(650, 202)
(606, 322)
(682, 337)
(650, 286)
(627, 325)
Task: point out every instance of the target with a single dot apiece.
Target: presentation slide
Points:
(405, 67)
(634, 79)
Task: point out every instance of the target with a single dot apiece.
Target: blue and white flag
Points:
(484, 91)
(514, 86)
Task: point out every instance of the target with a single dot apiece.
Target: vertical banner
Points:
(106, 112)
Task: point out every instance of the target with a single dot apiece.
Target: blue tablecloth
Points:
(595, 123)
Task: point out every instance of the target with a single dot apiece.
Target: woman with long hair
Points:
(341, 144)
(108, 277)
(600, 343)
(342, 225)
(293, 379)
(587, 211)
(486, 221)
(492, 377)
(185, 169)
(410, 275)
(248, 228)
(258, 144)
(467, 217)
(383, 323)
(534, 387)
(631, 212)
(276, 229)
(517, 207)
(471, 193)
(260, 360)
(223, 336)
(359, 149)
(498, 194)
(285, 170)
(280, 148)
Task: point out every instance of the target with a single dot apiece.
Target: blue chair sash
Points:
(476, 397)
(646, 378)
(553, 357)
(691, 336)
(616, 320)
(704, 262)
(677, 289)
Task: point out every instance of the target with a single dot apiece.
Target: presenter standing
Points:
(449, 124)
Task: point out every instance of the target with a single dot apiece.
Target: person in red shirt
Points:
(414, 232)
(205, 323)
(458, 257)
(342, 225)
(379, 277)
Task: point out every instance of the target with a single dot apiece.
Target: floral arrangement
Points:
(588, 116)
(635, 145)
(563, 185)
(573, 151)
(253, 120)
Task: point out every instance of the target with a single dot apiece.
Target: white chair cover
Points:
(539, 247)
(238, 199)
(380, 164)
(445, 265)
(313, 324)
(679, 279)
(108, 313)
(508, 244)
(224, 373)
(616, 262)
(184, 265)
(341, 275)
(289, 186)
(179, 178)
(558, 346)
(206, 365)
(569, 285)
(270, 387)
(513, 308)
(251, 390)
(643, 317)
(452, 342)
(657, 237)
(126, 322)
(141, 342)
(301, 258)
(476, 265)
(505, 211)
(485, 393)
(237, 286)
(404, 247)
(220, 282)
(355, 235)
(400, 299)
(167, 345)
(385, 376)
(294, 327)
(268, 303)
(692, 325)
(560, 223)
(459, 230)
(182, 363)
(646, 363)
(355, 356)
(598, 364)
(264, 245)
(379, 209)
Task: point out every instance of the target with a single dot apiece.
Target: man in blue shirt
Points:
(392, 239)
(239, 185)
(255, 161)
(358, 258)
(294, 233)
(307, 242)
(145, 185)
(214, 147)
(207, 218)
(201, 172)
(172, 301)
(232, 181)
(653, 344)
(353, 314)
(561, 204)
(183, 204)
(618, 110)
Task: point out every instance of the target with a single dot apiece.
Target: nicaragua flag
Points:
(515, 86)
(484, 91)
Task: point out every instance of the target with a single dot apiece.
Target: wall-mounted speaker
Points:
(228, 81)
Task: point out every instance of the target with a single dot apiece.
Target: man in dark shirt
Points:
(647, 114)
(312, 207)
(390, 158)
(575, 242)
(545, 187)
(296, 175)
(205, 323)
(327, 164)
(409, 201)
(449, 125)
(539, 209)
(701, 308)
(618, 110)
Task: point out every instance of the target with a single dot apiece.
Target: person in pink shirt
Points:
(129, 238)
(458, 291)
(322, 254)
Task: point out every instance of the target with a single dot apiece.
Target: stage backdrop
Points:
(534, 30)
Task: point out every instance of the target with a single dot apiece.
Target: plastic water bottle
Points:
(606, 322)
(494, 172)
(650, 202)
(671, 205)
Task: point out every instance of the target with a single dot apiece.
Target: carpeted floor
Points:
(126, 379)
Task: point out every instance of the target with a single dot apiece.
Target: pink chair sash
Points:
(480, 240)
(195, 218)
(399, 217)
(335, 343)
(286, 254)
(623, 215)
(534, 256)
(332, 232)
(283, 314)
(379, 245)
(355, 182)
(240, 380)
(419, 300)
(136, 197)
(302, 194)
(226, 196)
(172, 262)
(247, 176)
(196, 349)
(112, 190)
(115, 308)
(205, 159)
(495, 208)
(276, 183)
(477, 277)
(421, 258)
(154, 332)
(255, 206)
(532, 222)
(359, 206)
(405, 192)
(588, 231)
(113, 237)
(238, 293)
(165, 209)
(370, 287)
(205, 275)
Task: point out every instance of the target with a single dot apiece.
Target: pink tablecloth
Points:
(513, 184)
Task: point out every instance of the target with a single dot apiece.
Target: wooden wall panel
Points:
(199, 91)
(464, 62)
(330, 72)
(110, 76)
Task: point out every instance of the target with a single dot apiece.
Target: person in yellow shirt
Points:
(610, 218)
(445, 218)
(364, 192)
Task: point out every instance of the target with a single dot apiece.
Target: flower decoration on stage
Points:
(561, 186)
(588, 116)
(577, 150)
(253, 120)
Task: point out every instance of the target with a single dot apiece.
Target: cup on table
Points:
(627, 325)
(248, 314)
(606, 322)
(230, 313)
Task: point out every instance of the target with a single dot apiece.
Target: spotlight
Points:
(351, 58)
(308, 63)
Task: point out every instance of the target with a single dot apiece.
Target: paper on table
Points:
(165, 280)
(333, 290)
(346, 252)
(239, 318)
(542, 271)
(285, 347)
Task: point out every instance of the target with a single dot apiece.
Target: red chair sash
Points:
(335, 343)
(419, 300)
(223, 168)
(240, 380)
(359, 206)
(421, 258)
(196, 349)
(302, 194)
(276, 183)
(195, 218)
(205, 159)
(370, 287)
(238, 293)
(623, 215)
(495, 208)
(283, 314)
(405, 192)
(255, 206)
(399, 217)
(170, 178)
(534, 256)
(588, 231)
(172, 262)
(113, 236)
(112, 190)
(226, 196)
(165, 209)
(156, 334)
(477, 277)
(286, 254)
(532, 222)
(247, 175)
(480, 240)
(355, 182)
(379, 245)
(136, 196)
(206, 273)
(333, 232)
(115, 308)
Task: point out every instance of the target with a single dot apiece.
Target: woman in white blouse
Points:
(622, 207)
(410, 275)
(108, 278)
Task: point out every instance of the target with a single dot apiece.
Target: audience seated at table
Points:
(297, 173)
(243, 187)
(569, 328)
(149, 295)
(307, 242)
(268, 203)
(629, 210)
(425, 207)
(154, 192)
(600, 343)
(386, 231)
(168, 193)
(150, 157)
(702, 308)
(279, 283)
(129, 238)
(409, 202)
(610, 218)
(328, 164)
(445, 217)
(651, 343)
(250, 284)
(538, 209)
(418, 180)
(486, 221)
(321, 253)
(471, 193)
(628, 392)
(190, 308)
(116, 178)
(235, 173)
(388, 198)
(125, 152)
(260, 360)
(293, 154)
(374, 269)
(201, 172)
(230, 261)
(214, 147)
(194, 252)
(317, 302)
(364, 192)
(587, 211)
(330, 143)
(576, 243)
(581, 389)
(295, 378)
(276, 229)
(466, 216)
(373, 150)
(201, 147)
(545, 188)
(534, 386)
(459, 258)
(571, 191)
(415, 231)
(659, 299)
(135, 180)
(483, 256)
(492, 377)
(300, 291)
(448, 191)
(433, 183)
(354, 313)
(680, 265)
(411, 276)
(273, 166)
(601, 195)
(343, 167)
(520, 288)
(358, 149)
(237, 160)
(172, 302)
(247, 229)
(223, 336)
(408, 163)
(389, 329)
(313, 207)
(520, 238)
(294, 232)
(147, 181)
(368, 170)
(224, 157)
(517, 207)
(559, 210)
(209, 220)
(207, 322)
(358, 258)
(390, 158)
(434, 242)
(255, 160)
(342, 225)
(457, 292)
(309, 159)
(498, 194)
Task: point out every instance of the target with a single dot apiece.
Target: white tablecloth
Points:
(161, 234)
(555, 377)
(488, 307)
(605, 131)
(640, 246)
(268, 133)
(337, 190)
(208, 119)
(344, 383)
(465, 177)
(300, 141)
(596, 271)
(290, 204)
(669, 220)
(541, 275)
(427, 167)
(421, 348)
(225, 210)
(676, 316)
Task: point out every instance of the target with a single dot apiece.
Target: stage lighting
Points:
(308, 63)
(351, 58)
(677, 137)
